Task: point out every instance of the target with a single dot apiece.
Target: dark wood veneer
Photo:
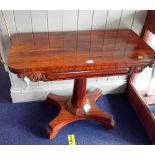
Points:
(110, 49)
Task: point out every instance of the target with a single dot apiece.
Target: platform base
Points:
(66, 116)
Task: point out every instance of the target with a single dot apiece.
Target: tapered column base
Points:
(67, 113)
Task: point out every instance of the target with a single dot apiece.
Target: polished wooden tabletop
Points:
(77, 51)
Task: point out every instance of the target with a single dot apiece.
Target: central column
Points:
(77, 102)
(79, 92)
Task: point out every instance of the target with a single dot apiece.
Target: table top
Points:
(59, 52)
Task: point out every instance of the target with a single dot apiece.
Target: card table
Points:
(47, 56)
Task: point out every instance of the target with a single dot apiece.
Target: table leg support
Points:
(81, 106)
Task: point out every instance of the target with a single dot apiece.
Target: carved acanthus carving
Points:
(34, 76)
(138, 69)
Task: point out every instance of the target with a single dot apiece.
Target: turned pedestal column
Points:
(80, 106)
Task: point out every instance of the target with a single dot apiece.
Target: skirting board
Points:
(37, 94)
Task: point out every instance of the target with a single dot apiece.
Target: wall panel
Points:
(10, 19)
(39, 21)
(139, 21)
(55, 20)
(85, 20)
(113, 21)
(23, 21)
(99, 20)
(127, 19)
(70, 20)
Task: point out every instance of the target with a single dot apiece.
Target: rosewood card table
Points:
(78, 55)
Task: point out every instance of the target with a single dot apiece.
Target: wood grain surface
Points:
(58, 52)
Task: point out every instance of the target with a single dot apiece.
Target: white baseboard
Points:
(36, 94)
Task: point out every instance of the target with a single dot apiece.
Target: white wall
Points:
(62, 20)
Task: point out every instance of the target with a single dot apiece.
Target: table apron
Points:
(85, 74)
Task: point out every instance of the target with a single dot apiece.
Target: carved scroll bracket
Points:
(34, 76)
(139, 69)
